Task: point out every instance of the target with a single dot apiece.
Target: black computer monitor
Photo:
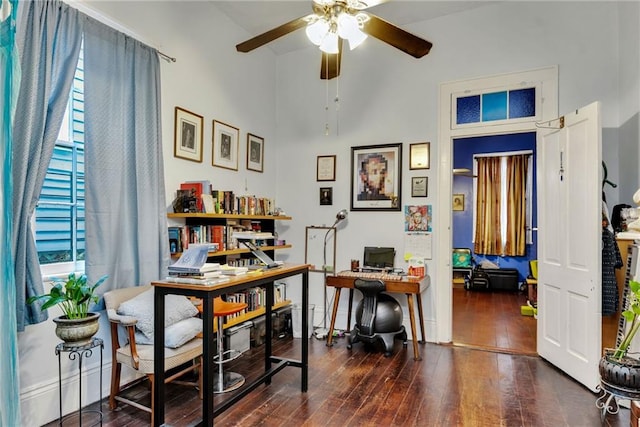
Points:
(379, 258)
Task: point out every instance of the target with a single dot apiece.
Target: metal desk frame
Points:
(207, 293)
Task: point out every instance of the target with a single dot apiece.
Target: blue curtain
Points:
(9, 81)
(125, 209)
(49, 36)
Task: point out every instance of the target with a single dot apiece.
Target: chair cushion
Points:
(173, 357)
(177, 308)
(177, 334)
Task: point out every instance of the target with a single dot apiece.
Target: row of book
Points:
(218, 237)
(256, 298)
(200, 197)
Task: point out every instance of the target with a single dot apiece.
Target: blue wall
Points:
(463, 151)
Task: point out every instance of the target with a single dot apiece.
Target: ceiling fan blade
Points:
(330, 67)
(273, 34)
(396, 36)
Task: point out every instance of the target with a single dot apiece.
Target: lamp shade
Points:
(330, 43)
(341, 215)
(317, 30)
(349, 29)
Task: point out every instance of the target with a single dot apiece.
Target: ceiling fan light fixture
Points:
(317, 30)
(349, 29)
(330, 43)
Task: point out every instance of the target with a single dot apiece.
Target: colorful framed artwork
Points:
(376, 177)
(224, 153)
(458, 202)
(419, 186)
(326, 168)
(255, 153)
(419, 155)
(187, 136)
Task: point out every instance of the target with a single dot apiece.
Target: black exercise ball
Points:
(388, 314)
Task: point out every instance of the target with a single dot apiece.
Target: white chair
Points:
(139, 357)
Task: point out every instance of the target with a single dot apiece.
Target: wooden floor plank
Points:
(453, 385)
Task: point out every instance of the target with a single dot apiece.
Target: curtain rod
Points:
(166, 57)
(87, 10)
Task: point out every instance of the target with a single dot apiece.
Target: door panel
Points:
(569, 256)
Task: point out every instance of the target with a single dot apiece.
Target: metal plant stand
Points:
(79, 353)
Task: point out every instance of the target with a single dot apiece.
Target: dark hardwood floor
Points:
(492, 321)
(452, 386)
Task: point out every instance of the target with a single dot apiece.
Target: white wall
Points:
(209, 78)
(387, 96)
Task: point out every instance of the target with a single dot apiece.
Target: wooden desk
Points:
(398, 284)
(272, 364)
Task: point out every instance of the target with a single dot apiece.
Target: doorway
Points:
(481, 319)
(545, 82)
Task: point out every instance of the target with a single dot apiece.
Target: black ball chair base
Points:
(378, 317)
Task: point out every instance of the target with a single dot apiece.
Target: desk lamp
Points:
(322, 333)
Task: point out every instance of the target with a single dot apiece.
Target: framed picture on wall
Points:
(255, 153)
(326, 168)
(458, 202)
(326, 195)
(376, 177)
(225, 146)
(419, 155)
(187, 135)
(419, 186)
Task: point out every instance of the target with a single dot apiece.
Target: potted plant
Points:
(619, 372)
(74, 295)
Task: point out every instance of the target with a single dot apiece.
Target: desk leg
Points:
(421, 317)
(416, 352)
(158, 363)
(336, 301)
(349, 312)
(208, 367)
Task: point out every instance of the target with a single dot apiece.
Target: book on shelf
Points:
(252, 235)
(197, 190)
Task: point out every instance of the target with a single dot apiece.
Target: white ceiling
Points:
(259, 16)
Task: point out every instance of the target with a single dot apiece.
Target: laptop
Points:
(264, 258)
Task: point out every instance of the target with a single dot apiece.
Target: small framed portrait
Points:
(326, 195)
(255, 153)
(419, 186)
(225, 146)
(188, 135)
(376, 177)
(458, 202)
(326, 168)
(419, 155)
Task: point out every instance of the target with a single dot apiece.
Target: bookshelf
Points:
(266, 223)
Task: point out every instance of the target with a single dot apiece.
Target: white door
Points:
(569, 244)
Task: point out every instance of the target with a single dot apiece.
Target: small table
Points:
(408, 285)
(79, 353)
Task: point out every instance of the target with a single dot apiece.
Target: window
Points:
(59, 215)
(503, 179)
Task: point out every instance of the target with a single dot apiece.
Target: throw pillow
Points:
(177, 308)
(177, 334)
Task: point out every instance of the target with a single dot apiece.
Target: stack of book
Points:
(192, 267)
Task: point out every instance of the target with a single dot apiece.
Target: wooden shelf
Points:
(227, 216)
(250, 315)
(239, 251)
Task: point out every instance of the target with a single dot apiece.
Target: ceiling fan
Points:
(335, 20)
